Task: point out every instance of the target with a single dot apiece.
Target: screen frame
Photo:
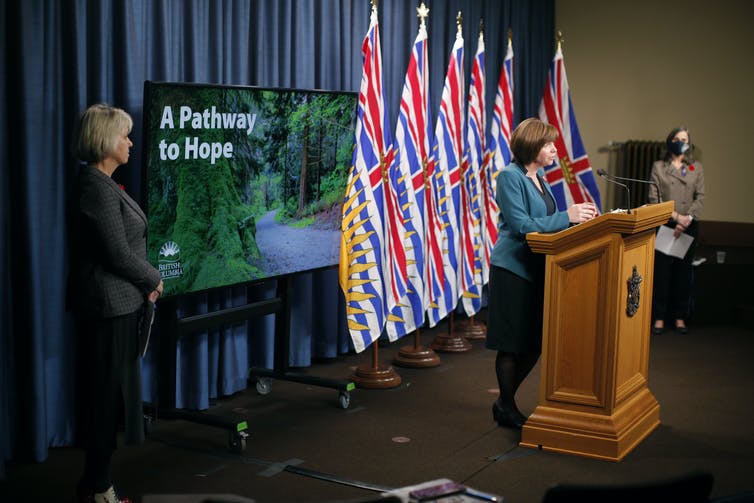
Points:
(147, 104)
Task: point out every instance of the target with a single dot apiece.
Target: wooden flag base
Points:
(447, 343)
(473, 329)
(381, 377)
(410, 356)
(375, 376)
(450, 342)
(416, 356)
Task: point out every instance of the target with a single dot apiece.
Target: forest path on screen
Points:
(287, 249)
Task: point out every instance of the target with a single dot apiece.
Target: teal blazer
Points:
(522, 210)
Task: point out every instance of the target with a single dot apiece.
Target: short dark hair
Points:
(528, 139)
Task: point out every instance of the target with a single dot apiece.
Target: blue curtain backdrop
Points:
(59, 57)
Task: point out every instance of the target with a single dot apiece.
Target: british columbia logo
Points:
(169, 261)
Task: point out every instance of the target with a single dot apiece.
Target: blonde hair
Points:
(529, 138)
(98, 132)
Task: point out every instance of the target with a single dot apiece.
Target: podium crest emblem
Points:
(634, 292)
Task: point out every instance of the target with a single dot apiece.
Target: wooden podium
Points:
(594, 399)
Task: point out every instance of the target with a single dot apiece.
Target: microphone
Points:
(610, 179)
(637, 180)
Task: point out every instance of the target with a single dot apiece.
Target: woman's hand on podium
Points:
(581, 212)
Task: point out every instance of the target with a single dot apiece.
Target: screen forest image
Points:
(243, 183)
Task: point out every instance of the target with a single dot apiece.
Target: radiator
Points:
(634, 159)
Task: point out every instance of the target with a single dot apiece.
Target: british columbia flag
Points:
(449, 154)
(362, 252)
(471, 207)
(570, 176)
(498, 156)
(416, 166)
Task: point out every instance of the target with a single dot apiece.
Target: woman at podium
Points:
(681, 179)
(516, 287)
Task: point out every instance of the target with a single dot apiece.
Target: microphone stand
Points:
(637, 180)
(611, 179)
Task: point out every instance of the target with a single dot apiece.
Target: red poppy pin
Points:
(691, 167)
(122, 187)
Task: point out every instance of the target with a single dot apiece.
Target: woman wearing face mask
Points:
(680, 179)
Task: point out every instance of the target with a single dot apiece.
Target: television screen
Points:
(243, 183)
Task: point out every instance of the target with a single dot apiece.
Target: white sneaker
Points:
(109, 496)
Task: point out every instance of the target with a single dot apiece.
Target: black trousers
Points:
(672, 282)
(109, 378)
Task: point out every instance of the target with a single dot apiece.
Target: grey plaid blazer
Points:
(110, 275)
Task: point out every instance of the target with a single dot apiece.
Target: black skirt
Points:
(109, 381)
(514, 313)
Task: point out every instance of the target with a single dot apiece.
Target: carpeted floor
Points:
(436, 424)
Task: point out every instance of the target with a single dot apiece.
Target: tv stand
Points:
(171, 329)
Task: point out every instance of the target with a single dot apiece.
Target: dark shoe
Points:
(682, 329)
(507, 417)
(83, 493)
(658, 330)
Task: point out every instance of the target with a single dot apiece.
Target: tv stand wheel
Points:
(264, 385)
(148, 424)
(237, 441)
(344, 398)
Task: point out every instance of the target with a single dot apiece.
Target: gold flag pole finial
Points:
(374, 5)
(559, 38)
(481, 26)
(510, 37)
(459, 24)
(422, 11)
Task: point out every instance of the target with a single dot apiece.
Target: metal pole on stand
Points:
(375, 376)
(450, 342)
(416, 356)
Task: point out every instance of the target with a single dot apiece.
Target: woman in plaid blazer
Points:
(109, 281)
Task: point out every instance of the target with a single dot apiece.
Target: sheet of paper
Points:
(668, 244)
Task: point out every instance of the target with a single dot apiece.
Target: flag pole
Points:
(416, 355)
(374, 375)
(471, 329)
(450, 341)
